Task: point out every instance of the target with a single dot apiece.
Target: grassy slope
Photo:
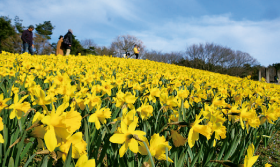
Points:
(270, 154)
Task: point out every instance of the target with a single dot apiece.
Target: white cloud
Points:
(260, 39)
(81, 16)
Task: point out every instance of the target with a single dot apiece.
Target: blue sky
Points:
(251, 26)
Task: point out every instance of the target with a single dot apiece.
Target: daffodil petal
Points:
(50, 139)
(133, 145)
(118, 138)
(123, 149)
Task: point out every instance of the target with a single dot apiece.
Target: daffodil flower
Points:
(60, 125)
(93, 101)
(1, 128)
(100, 115)
(178, 140)
(83, 161)
(196, 129)
(126, 138)
(157, 147)
(3, 102)
(19, 107)
(249, 158)
(145, 111)
(78, 146)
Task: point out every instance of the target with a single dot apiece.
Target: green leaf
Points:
(232, 147)
(114, 127)
(183, 157)
(103, 152)
(131, 159)
(45, 161)
(68, 160)
(221, 153)
(11, 162)
(29, 160)
(150, 155)
(190, 153)
(86, 135)
(20, 146)
(196, 157)
(166, 152)
(27, 148)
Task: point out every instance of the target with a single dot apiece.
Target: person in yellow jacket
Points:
(136, 51)
(59, 49)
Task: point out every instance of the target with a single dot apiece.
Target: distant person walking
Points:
(59, 47)
(67, 41)
(275, 79)
(136, 51)
(27, 39)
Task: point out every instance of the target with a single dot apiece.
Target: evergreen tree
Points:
(18, 24)
(6, 29)
(45, 29)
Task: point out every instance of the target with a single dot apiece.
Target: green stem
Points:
(150, 155)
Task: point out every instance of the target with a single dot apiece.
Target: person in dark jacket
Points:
(27, 39)
(67, 41)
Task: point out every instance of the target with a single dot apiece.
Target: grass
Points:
(270, 154)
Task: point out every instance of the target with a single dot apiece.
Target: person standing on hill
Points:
(136, 51)
(27, 39)
(67, 41)
(59, 50)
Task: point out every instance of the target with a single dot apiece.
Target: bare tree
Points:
(218, 58)
(125, 43)
(103, 50)
(172, 57)
(42, 45)
(87, 43)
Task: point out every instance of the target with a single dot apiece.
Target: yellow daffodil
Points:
(106, 88)
(100, 115)
(178, 140)
(157, 147)
(93, 101)
(1, 128)
(3, 102)
(83, 161)
(267, 165)
(126, 138)
(154, 92)
(268, 114)
(60, 125)
(78, 146)
(145, 111)
(19, 107)
(249, 158)
(198, 129)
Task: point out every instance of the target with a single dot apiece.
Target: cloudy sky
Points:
(251, 26)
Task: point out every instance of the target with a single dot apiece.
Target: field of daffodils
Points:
(85, 111)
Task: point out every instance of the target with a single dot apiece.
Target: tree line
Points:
(220, 59)
(208, 56)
